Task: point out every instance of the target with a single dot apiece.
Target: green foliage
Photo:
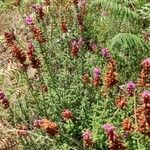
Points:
(145, 11)
(116, 9)
(129, 40)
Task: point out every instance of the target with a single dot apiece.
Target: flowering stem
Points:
(31, 91)
(73, 140)
(43, 97)
(48, 69)
(135, 118)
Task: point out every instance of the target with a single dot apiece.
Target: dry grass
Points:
(7, 137)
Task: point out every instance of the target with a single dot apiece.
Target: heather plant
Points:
(78, 75)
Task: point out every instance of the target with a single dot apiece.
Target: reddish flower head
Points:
(87, 138)
(145, 97)
(127, 125)
(146, 61)
(23, 133)
(34, 61)
(9, 38)
(30, 46)
(67, 114)
(64, 26)
(50, 127)
(39, 11)
(121, 102)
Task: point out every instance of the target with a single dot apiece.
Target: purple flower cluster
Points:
(96, 73)
(145, 97)
(130, 88)
(108, 128)
(76, 45)
(105, 53)
(28, 20)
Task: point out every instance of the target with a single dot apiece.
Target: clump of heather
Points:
(67, 77)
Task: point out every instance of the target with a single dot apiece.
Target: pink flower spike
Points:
(145, 97)
(28, 20)
(87, 135)
(87, 138)
(131, 86)
(96, 73)
(108, 128)
(105, 53)
(80, 42)
(37, 123)
(146, 61)
(31, 47)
